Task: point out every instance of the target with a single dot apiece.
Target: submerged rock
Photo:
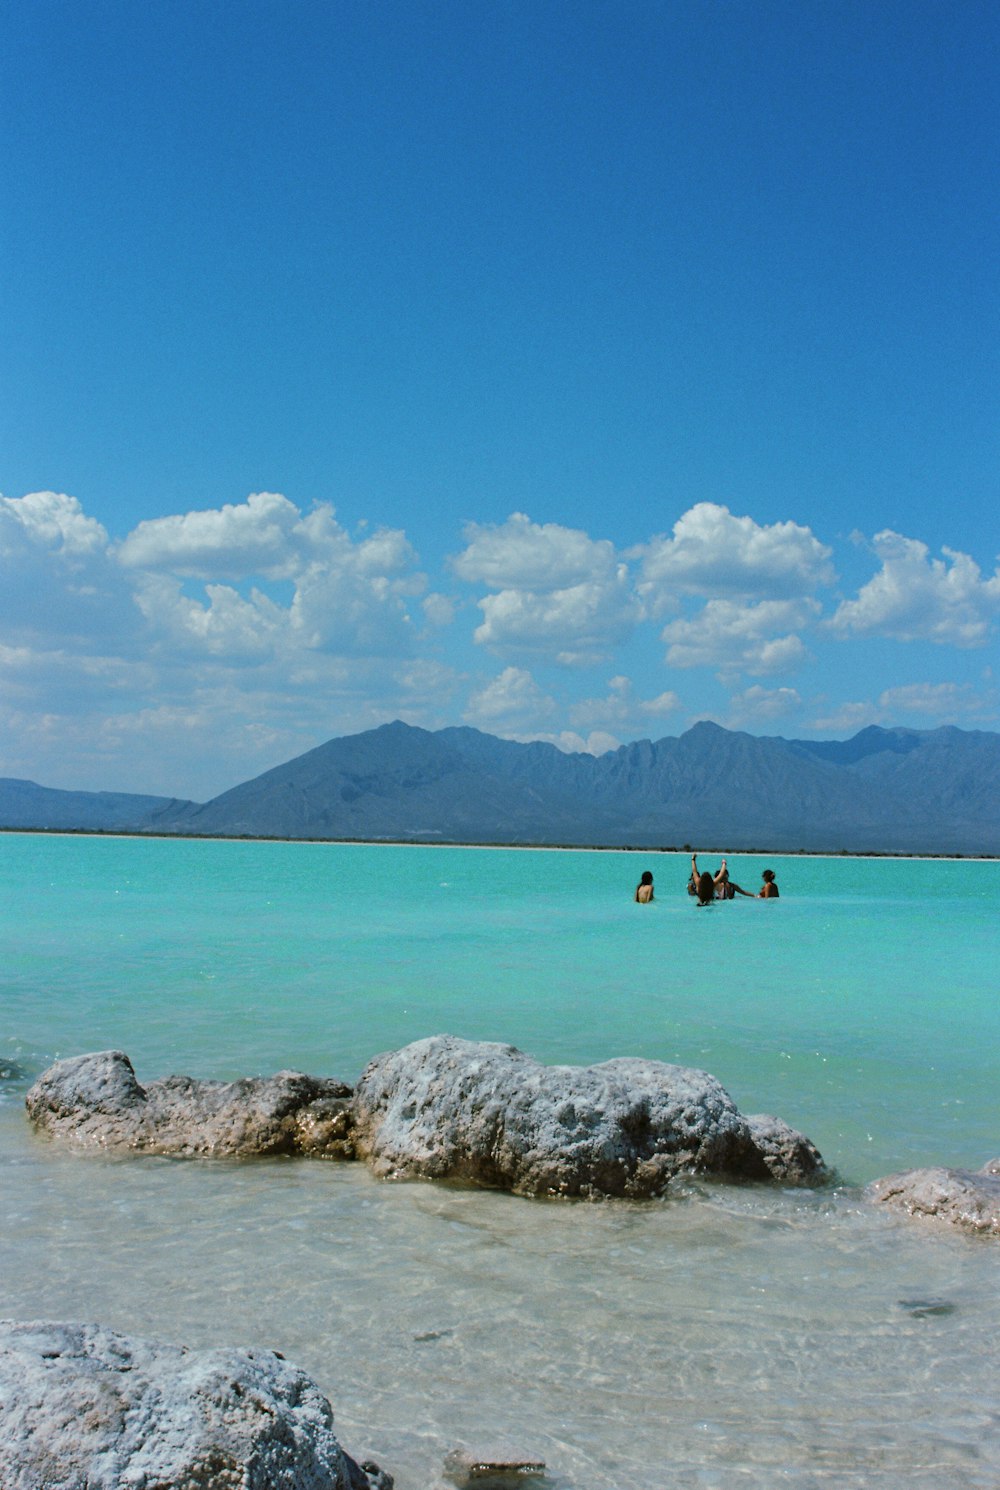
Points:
(85, 1406)
(967, 1198)
(96, 1101)
(495, 1468)
(486, 1114)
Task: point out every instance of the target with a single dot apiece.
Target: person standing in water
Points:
(769, 889)
(710, 887)
(704, 884)
(644, 889)
(727, 889)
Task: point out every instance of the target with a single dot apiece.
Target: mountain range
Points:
(884, 790)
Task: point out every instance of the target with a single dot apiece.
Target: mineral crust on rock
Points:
(86, 1408)
(486, 1114)
(96, 1101)
(967, 1198)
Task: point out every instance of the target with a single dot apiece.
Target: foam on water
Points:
(722, 1337)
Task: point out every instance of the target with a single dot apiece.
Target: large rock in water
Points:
(96, 1101)
(967, 1198)
(85, 1408)
(444, 1108)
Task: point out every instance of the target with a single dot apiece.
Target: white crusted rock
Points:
(969, 1199)
(96, 1101)
(85, 1408)
(445, 1108)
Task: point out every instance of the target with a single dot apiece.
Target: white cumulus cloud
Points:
(914, 597)
(258, 536)
(757, 639)
(714, 553)
(58, 583)
(522, 555)
(48, 520)
(759, 705)
(622, 710)
(513, 700)
(574, 626)
(598, 742)
(557, 592)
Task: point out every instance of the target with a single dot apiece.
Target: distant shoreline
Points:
(561, 848)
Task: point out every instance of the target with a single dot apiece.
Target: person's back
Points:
(644, 889)
(702, 882)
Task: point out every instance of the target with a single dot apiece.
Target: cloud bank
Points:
(204, 646)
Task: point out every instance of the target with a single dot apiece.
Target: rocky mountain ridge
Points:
(884, 790)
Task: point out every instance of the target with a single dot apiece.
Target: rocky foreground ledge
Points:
(966, 1198)
(443, 1108)
(96, 1101)
(85, 1406)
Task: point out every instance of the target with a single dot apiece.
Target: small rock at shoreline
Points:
(966, 1198)
(96, 1101)
(493, 1468)
(789, 1156)
(87, 1406)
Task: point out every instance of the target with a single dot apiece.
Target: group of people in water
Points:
(707, 887)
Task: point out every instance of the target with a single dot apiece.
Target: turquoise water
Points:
(738, 1337)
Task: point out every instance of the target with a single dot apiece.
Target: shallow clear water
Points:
(723, 1337)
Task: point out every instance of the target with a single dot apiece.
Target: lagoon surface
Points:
(725, 1336)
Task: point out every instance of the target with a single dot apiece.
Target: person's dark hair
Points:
(768, 875)
(647, 877)
(706, 888)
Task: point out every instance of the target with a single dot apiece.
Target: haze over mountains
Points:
(897, 790)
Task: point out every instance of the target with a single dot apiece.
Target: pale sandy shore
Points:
(527, 848)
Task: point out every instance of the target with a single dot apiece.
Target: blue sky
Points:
(572, 371)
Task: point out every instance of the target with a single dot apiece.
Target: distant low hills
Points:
(25, 804)
(893, 790)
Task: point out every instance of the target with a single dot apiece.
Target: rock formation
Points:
(969, 1199)
(486, 1114)
(442, 1108)
(85, 1406)
(96, 1101)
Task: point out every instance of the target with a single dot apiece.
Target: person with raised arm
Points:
(703, 883)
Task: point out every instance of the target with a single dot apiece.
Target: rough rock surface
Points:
(495, 1468)
(96, 1101)
(966, 1198)
(85, 1408)
(790, 1156)
(445, 1108)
